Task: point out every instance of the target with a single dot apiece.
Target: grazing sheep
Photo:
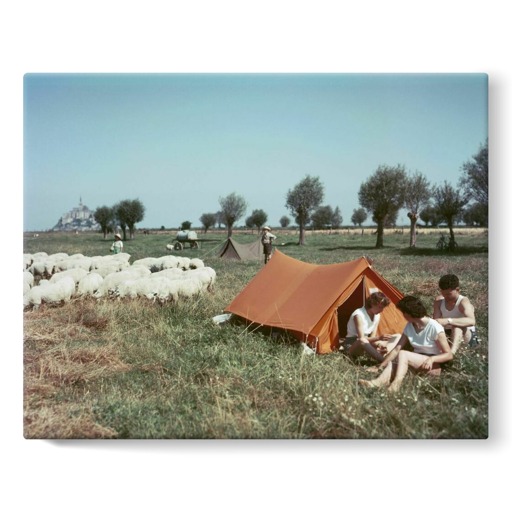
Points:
(183, 262)
(74, 261)
(165, 262)
(112, 281)
(150, 263)
(75, 273)
(170, 273)
(27, 261)
(196, 263)
(51, 293)
(89, 284)
(28, 278)
(206, 276)
(189, 288)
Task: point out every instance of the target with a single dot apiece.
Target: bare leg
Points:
(457, 337)
(382, 380)
(406, 359)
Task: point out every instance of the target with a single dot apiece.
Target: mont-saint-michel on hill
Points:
(79, 218)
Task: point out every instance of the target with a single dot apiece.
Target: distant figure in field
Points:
(266, 239)
(362, 330)
(117, 246)
(429, 343)
(455, 313)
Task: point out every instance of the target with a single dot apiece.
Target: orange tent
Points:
(314, 302)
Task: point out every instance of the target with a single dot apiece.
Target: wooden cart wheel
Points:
(194, 245)
(178, 246)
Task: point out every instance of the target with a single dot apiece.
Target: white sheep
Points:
(112, 281)
(165, 262)
(206, 276)
(74, 261)
(50, 293)
(89, 284)
(196, 263)
(150, 263)
(170, 273)
(75, 273)
(189, 288)
(28, 278)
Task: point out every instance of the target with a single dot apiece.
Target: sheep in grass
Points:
(89, 284)
(75, 273)
(196, 263)
(112, 281)
(74, 261)
(189, 288)
(165, 262)
(169, 273)
(150, 263)
(50, 293)
(205, 275)
(149, 287)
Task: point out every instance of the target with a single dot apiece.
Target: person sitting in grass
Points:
(455, 313)
(362, 330)
(429, 343)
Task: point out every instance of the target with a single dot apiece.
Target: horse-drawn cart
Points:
(185, 237)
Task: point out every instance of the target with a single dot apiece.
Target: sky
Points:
(179, 142)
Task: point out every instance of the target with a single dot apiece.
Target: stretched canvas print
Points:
(255, 256)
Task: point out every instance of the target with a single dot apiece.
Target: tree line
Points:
(387, 191)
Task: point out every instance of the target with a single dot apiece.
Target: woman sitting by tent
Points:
(429, 343)
(362, 330)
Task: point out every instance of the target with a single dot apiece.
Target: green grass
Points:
(138, 370)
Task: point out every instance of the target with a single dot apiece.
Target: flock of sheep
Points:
(56, 278)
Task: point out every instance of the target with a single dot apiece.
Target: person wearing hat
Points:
(266, 239)
(117, 246)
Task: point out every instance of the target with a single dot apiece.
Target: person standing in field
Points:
(266, 239)
(429, 343)
(362, 330)
(455, 313)
(117, 246)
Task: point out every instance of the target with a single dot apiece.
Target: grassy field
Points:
(139, 370)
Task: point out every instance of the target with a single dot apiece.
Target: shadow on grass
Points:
(459, 251)
(353, 248)
(412, 251)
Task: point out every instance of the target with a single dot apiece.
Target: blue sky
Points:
(179, 142)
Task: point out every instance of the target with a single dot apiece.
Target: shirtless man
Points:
(455, 313)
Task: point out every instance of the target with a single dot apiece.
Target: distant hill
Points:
(79, 218)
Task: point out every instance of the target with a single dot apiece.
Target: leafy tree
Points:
(449, 203)
(359, 215)
(208, 220)
(383, 195)
(128, 213)
(284, 221)
(105, 217)
(337, 219)
(430, 215)
(326, 217)
(185, 225)
(233, 208)
(475, 180)
(257, 218)
(418, 193)
(322, 217)
(219, 219)
(475, 176)
(476, 214)
(302, 200)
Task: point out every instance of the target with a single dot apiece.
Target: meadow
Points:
(133, 369)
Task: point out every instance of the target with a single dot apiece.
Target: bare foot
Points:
(368, 383)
